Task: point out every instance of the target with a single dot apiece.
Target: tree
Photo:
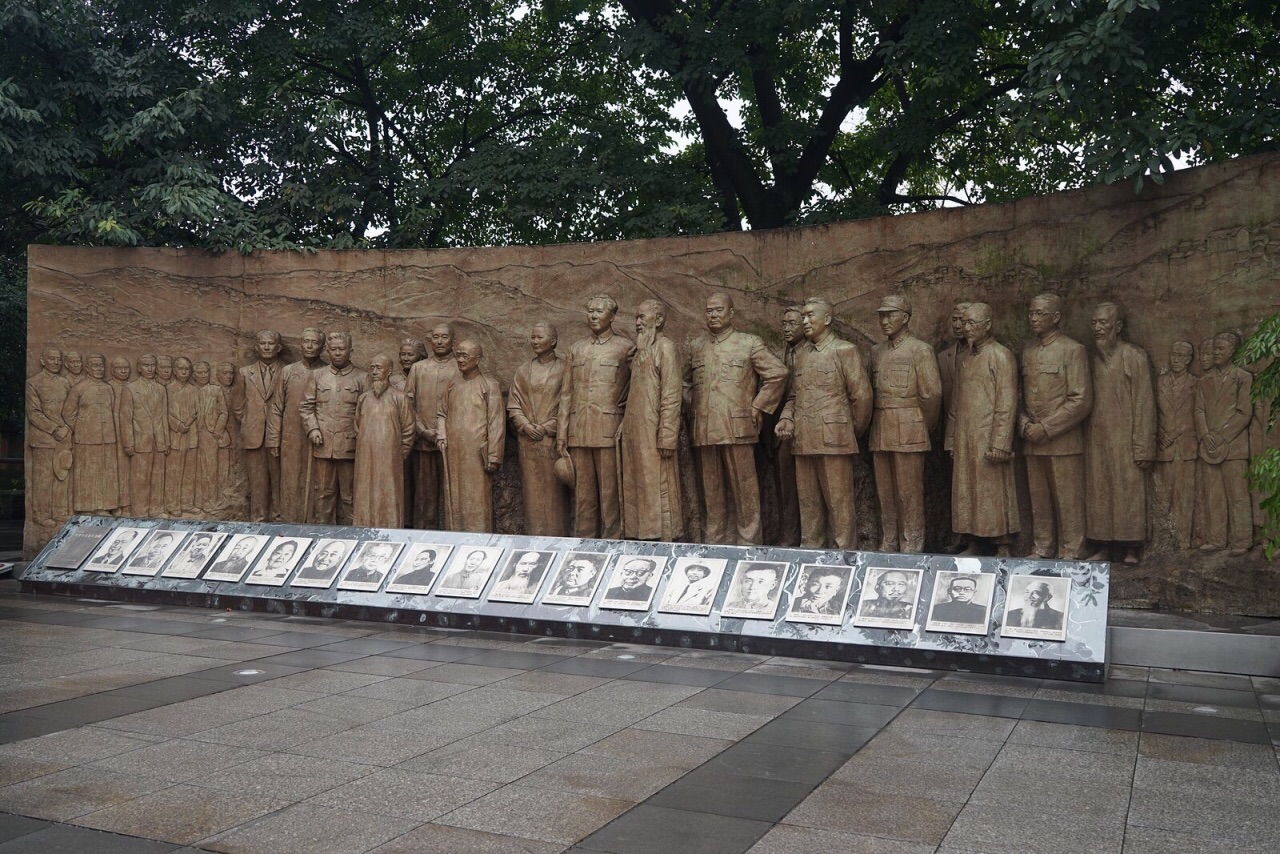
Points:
(850, 108)
(1263, 348)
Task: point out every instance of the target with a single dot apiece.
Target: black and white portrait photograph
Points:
(321, 567)
(76, 548)
(632, 582)
(576, 579)
(961, 602)
(820, 594)
(420, 568)
(370, 565)
(755, 590)
(1036, 607)
(236, 558)
(522, 576)
(692, 585)
(116, 550)
(469, 571)
(888, 598)
(194, 555)
(279, 558)
(157, 548)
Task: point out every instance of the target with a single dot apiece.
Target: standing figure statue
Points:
(144, 431)
(533, 407)
(908, 398)
(119, 378)
(286, 435)
(1224, 408)
(74, 365)
(471, 434)
(424, 385)
(90, 413)
(410, 353)
(984, 499)
(211, 426)
(384, 437)
(593, 399)
(1177, 445)
(733, 382)
(784, 461)
(251, 404)
(48, 437)
(651, 433)
(164, 370)
(1057, 395)
(1121, 438)
(328, 411)
(949, 359)
(180, 465)
(828, 406)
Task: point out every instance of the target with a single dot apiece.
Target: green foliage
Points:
(1263, 347)
(13, 331)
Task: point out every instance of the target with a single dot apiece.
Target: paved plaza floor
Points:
(129, 728)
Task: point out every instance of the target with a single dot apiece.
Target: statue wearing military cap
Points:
(908, 398)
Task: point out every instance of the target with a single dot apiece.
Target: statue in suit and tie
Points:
(251, 402)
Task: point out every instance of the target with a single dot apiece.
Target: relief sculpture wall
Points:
(1072, 352)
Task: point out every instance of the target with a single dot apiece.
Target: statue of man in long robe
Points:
(120, 371)
(651, 433)
(411, 352)
(180, 464)
(784, 461)
(89, 411)
(1224, 409)
(1177, 447)
(47, 435)
(144, 430)
(287, 438)
(984, 499)
(1121, 438)
(534, 407)
(211, 424)
(828, 406)
(384, 437)
(424, 384)
(471, 434)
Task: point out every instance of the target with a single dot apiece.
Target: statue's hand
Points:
(666, 453)
(998, 455)
(316, 437)
(1145, 465)
(1213, 441)
(786, 429)
(490, 466)
(441, 444)
(534, 432)
(1036, 433)
(274, 452)
(61, 433)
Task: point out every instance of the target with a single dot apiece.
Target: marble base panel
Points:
(851, 606)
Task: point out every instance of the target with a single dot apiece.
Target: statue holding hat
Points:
(908, 399)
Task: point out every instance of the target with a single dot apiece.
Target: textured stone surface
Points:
(1192, 257)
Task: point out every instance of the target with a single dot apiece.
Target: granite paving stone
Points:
(850, 808)
(1226, 818)
(919, 779)
(273, 731)
(442, 839)
(415, 692)
(75, 746)
(1203, 726)
(1189, 780)
(775, 762)
(68, 839)
(547, 815)
(663, 748)
(838, 712)
(181, 814)
(353, 711)
(952, 724)
(1154, 840)
(1045, 734)
(995, 829)
(554, 734)
(374, 744)
(872, 693)
(480, 759)
(897, 745)
(14, 826)
(305, 829)
(384, 665)
(546, 681)
(1198, 678)
(406, 794)
(1207, 751)
(1042, 792)
(1240, 713)
(817, 736)
(283, 776)
(64, 795)
(650, 829)
(327, 681)
(1076, 765)
(176, 760)
(471, 674)
(15, 769)
(739, 702)
(792, 839)
(700, 722)
(605, 776)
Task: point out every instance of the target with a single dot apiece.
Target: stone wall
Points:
(1198, 255)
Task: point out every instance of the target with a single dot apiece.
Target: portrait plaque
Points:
(1037, 607)
(576, 579)
(420, 568)
(194, 555)
(522, 576)
(279, 558)
(116, 550)
(632, 582)
(76, 548)
(157, 548)
(236, 558)
(323, 564)
(961, 602)
(820, 594)
(888, 598)
(469, 571)
(369, 565)
(692, 586)
(755, 590)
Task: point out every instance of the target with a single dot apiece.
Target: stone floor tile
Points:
(1110, 700)
(1042, 792)
(700, 722)
(924, 780)
(63, 795)
(1203, 726)
(1189, 780)
(834, 738)
(443, 839)
(15, 769)
(1063, 764)
(274, 731)
(1153, 840)
(1178, 707)
(776, 762)
(14, 826)
(68, 839)
(663, 748)
(1083, 714)
(1128, 672)
(415, 692)
(471, 674)
(283, 777)
(600, 668)
(480, 759)
(327, 681)
(1045, 734)
(177, 760)
(791, 839)
(379, 665)
(1196, 678)
(375, 744)
(996, 829)
(994, 689)
(306, 829)
(351, 710)
(1207, 751)
(74, 746)
(604, 776)
(715, 790)
(667, 674)
(895, 745)
(739, 702)
(180, 814)
(951, 725)
(404, 794)
(867, 692)
(840, 806)
(651, 829)
(1210, 815)
(547, 815)
(789, 686)
(549, 682)
(597, 711)
(564, 736)
(840, 712)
